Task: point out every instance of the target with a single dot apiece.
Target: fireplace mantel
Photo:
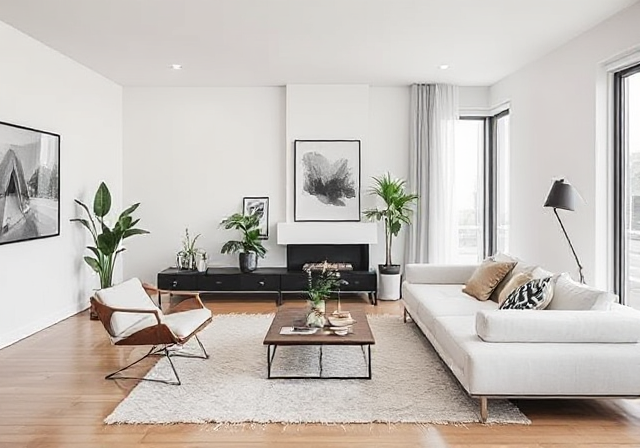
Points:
(327, 233)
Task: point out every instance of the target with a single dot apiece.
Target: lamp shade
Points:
(562, 195)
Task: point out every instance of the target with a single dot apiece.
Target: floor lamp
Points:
(564, 196)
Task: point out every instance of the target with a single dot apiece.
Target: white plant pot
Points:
(389, 286)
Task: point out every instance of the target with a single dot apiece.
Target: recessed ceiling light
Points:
(443, 67)
(176, 66)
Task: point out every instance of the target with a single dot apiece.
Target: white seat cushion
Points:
(186, 322)
(128, 295)
(432, 301)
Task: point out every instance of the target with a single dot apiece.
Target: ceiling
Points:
(278, 42)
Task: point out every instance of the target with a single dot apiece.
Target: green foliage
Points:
(106, 240)
(322, 283)
(249, 225)
(397, 210)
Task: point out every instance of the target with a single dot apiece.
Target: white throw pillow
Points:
(571, 295)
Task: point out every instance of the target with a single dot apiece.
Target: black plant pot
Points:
(389, 269)
(248, 261)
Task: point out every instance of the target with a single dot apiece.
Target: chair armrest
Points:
(192, 303)
(137, 311)
(105, 312)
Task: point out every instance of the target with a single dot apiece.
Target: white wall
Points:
(190, 156)
(45, 281)
(553, 134)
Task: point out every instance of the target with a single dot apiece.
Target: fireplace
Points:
(357, 255)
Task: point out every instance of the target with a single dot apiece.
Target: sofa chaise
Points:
(583, 345)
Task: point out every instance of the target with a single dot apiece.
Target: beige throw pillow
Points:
(511, 285)
(486, 277)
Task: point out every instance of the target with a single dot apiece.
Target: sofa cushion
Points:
(441, 274)
(431, 301)
(486, 277)
(184, 323)
(571, 295)
(514, 283)
(533, 295)
(558, 326)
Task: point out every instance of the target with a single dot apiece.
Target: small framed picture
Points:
(261, 207)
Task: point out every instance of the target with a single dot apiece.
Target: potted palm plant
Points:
(106, 240)
(249, 247)
(396, 212)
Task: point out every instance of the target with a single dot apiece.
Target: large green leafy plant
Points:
(397, 210)
(106, 240)
(249, 226)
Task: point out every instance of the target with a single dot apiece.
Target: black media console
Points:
(263, 280)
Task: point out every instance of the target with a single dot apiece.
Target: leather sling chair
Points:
(132, 318)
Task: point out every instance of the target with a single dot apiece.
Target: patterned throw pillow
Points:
(533, 295)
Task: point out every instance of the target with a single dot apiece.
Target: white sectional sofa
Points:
(572, 349)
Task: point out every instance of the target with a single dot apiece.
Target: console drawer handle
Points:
(218, 282)
(174, 283)
(261, 283)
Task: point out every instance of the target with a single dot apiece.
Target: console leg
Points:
(484, 409)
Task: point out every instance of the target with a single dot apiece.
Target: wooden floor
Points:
(52, 394)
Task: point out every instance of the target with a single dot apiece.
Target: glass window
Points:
(481, 187)
(627, 207)
(468, 191)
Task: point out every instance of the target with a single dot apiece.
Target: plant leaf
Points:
(102, 201)
(131, 232)
(128, 211)
(95, 264)
(108, 243)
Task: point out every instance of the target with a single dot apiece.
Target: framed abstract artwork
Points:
(327, 180)
(29, 184)
(261, 207)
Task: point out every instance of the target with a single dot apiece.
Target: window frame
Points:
(490, 180)
(619, 179)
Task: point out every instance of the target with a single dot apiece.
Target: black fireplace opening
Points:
(355, 254)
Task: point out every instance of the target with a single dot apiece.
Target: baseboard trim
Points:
(41, 324)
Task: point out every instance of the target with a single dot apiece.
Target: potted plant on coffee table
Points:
(395, 213)
(106, 239)
(249, 247)
(321, 284)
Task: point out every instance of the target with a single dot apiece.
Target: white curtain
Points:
(434, 110)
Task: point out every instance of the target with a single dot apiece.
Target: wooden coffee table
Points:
(290, 316)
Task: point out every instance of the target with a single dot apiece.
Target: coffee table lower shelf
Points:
(271, 353)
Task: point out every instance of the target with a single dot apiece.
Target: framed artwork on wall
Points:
(326, 180)
(29, 184)
(260, 206)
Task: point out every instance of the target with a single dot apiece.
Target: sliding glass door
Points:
(627, 186)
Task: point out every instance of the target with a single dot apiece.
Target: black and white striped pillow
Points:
(533, 295)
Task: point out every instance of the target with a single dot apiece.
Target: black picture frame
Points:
(251, 203)
(29, 183)
(326, 180)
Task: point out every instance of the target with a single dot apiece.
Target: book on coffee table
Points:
(298, 330)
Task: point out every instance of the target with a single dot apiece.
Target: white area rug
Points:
(410, 383)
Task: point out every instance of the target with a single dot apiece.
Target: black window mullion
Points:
(490, 190)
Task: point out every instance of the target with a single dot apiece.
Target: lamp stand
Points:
(571, 246)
